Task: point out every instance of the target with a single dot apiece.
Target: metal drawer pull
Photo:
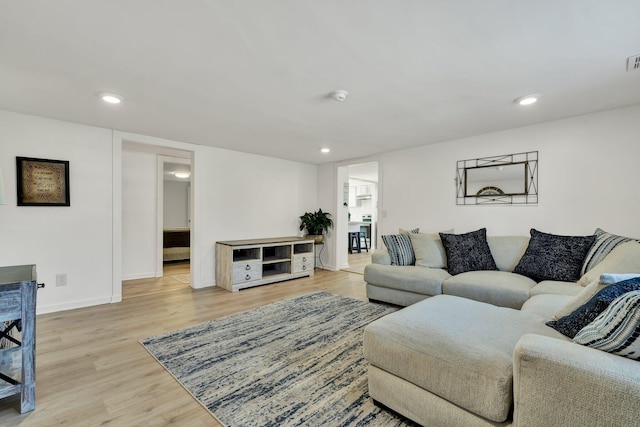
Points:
(248, 267)
(304, 259)
(247, 277)
(304, 267)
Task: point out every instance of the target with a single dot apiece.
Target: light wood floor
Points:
(357, 262)
(91, 370)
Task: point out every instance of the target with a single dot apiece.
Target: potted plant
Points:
(316, 223)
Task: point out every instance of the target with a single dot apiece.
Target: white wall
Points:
(75, 240)
(237, 196)
(175, 204)
(139, 215)
(245, 196)
(587, 178)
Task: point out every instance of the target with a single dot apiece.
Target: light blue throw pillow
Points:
(400, 249)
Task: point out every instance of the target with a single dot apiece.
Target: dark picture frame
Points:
(42, 182)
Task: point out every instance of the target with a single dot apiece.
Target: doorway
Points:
(174, 216)
(156, 256)
(362, 215)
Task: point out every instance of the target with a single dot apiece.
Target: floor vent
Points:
(633, 63)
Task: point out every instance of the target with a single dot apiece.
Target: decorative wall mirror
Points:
(505, 180)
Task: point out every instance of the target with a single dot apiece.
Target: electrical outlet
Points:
(61, 279)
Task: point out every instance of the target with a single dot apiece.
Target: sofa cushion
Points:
(545, 305)
(605, 242)
(494, 287)
(400, 249)
(380, 256)
(556, 287)
(467, 252)
(554, 257)
(507, 250)
(428, 250)
(458, 349)
(571, 324)
(421, 280)
(625, 258)
(617, 329)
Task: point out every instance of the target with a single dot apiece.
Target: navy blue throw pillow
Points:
(554, 257)
(571, 324)
(467, 252)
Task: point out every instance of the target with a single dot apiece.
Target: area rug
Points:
(292, 363)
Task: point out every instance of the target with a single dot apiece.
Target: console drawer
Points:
(246, 271)
(302, 262)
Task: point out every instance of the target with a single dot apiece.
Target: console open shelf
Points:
(246, 263)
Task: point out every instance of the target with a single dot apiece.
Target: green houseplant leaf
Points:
(316, 222)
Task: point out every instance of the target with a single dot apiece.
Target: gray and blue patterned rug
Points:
(292, 363)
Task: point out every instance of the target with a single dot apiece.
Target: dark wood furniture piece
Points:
(176, 243)
(18, 312)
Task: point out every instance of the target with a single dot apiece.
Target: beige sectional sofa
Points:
(405, 285)
(473, 349)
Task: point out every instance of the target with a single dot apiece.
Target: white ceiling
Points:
(254, 75)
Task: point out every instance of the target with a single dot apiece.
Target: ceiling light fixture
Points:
(182, 174)
(325, 150)
(111, 98)
(339, 95)
(527, 99)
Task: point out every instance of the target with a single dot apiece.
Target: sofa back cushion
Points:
(428, 250)
(507, 250)
(625, 258)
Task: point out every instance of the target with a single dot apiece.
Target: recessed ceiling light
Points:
(325, 150)
(527, 99)
(182, 174)
(111, 98)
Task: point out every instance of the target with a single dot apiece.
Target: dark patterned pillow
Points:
(400, 249)
(467, 252)
(554, 257)
(617, 329)
(571, 324)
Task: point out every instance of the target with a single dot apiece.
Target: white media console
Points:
(245, 263)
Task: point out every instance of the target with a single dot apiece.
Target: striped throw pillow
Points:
(400, 249)
(617, 329)
(604, 244)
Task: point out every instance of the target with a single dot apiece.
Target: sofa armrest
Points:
(559, 383)
(380, 257)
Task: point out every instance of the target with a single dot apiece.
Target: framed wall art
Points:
(42, 182)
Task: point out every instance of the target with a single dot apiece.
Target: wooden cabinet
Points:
(245, 263)
(18, 315)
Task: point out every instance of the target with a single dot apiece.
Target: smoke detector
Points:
(633, 63)
(339, 95)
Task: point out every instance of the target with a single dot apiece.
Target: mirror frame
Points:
(496, 197)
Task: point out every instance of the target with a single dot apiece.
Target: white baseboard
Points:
(203, 285)
(72, 305)
(150, 275)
